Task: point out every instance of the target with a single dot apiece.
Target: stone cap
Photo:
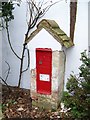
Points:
(53, 28)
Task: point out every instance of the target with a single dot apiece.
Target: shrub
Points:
(77, 96)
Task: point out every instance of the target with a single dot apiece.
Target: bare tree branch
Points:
(34, 15)
(37, 11)
(8, 71)
(10, 42)
(28, 60)
(5, 83)
(6, 77)
(44, 10)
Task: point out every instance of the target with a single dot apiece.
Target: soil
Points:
(17, 104)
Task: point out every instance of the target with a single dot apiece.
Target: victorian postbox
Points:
(43, 70)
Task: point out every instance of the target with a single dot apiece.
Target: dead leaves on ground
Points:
(18, 104)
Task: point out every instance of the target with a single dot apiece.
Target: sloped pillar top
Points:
(53, 28)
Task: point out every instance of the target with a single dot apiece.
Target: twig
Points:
(44, 10)
(28, 61)
(10, 42)
(8, 71)
(21, 66)
(36, 11)
(5, 83)
(39, 13)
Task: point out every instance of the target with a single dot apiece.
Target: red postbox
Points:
(43, 70)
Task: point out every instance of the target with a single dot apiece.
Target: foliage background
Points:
(78, 95)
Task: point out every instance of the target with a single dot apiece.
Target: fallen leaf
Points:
(20, 109)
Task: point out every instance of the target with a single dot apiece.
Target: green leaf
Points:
(78, 95)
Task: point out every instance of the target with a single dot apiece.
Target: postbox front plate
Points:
(44, 70)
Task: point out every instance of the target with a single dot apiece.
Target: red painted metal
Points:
(43, 70)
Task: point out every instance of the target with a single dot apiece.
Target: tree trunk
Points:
(21, 66)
